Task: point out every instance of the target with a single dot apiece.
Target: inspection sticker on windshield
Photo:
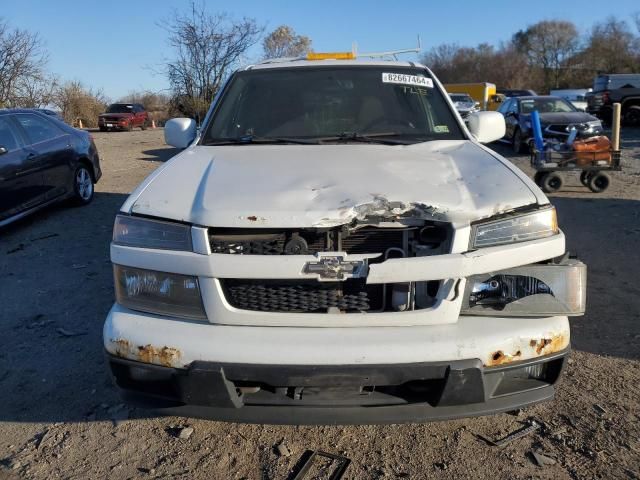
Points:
(403, 79)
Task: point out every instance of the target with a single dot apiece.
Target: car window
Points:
(120, 108)
(7, 138)
(323, 102)
(546, 105)
(504, 108)
(38, 129)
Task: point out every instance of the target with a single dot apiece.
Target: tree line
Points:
(546, 55)
(206, 47)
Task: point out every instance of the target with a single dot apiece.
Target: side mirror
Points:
(3, 150)
(486, 127)
(180, 132)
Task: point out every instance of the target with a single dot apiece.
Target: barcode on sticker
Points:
(402, 79)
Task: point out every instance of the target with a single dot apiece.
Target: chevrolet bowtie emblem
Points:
(336, 268)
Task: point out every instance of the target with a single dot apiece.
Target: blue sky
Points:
(117, 45)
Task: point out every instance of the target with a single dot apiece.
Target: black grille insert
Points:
(311, 296)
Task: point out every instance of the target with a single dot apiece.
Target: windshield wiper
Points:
(384, 138)
(249, 139)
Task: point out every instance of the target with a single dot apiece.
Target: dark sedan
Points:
(42, 161)
(557, 118)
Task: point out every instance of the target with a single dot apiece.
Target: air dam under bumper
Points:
(338, 394)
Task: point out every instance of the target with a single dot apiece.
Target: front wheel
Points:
(599, 182)
(518, 143)
(632, 116)
(144, 125)
(551, 182)
(83, 186)
(584, 178)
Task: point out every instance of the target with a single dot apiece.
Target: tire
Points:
(551, 182)
(599, 182)
(584, 177)
(632, 116)
(130, 127)
(538, 178)
(83, 186)
(144, 125)
(518, 143)
(103, 129)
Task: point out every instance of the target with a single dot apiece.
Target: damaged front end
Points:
(383, 319)
(336, 280)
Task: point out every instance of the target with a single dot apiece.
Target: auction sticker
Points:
(402, 79)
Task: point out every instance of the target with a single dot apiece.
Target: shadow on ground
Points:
(605, 234)
(160, 154)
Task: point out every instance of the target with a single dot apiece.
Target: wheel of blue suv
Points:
(519, 145)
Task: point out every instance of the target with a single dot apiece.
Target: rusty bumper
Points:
(339, 394)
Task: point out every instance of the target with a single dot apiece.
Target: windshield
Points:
(456, 97)
(312, 103)
(120, 108)
(546, 105)
(600, 83)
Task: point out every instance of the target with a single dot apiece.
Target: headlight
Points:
(146, 233)
(539, 289)
(158, 292)
(516, 228)
(595, 125)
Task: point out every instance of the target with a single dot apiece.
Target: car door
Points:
(19, 182)
(51, 151)
(511, 118)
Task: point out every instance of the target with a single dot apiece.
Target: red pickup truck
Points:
(123, 116)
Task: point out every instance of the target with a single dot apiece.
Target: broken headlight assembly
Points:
(515, 228)
(147, 233)
(158, 292)
(556, 288)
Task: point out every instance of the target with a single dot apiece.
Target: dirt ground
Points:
(61, 418)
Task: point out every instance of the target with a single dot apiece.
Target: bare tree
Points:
(23, 81)
(611, 47)
(207, 48)
(77, 102)
(548, 45)
(283, 42)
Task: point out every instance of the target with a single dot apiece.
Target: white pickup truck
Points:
(335, 245)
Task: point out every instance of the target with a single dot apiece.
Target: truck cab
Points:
(335, 245)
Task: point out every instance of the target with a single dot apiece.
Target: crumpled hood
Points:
(289, 186)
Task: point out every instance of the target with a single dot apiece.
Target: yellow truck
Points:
(484, 93)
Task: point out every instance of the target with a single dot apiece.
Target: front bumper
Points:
(476, 366)
(340, 394)
(119, 125)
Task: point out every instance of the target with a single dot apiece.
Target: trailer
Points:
(594, 165)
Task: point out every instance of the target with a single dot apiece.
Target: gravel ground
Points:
(61, 418)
